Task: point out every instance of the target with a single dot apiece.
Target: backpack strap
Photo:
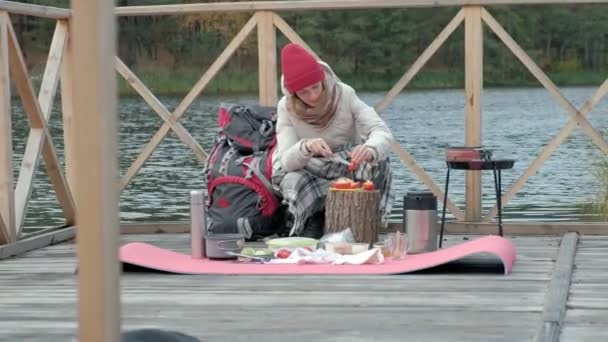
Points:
(254, 167)
(224, 163)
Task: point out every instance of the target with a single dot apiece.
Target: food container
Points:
(420, 221)
(396, 244)
(346, 248)
(467, 153)
(217, 245)
(385, 251)
(291, 243)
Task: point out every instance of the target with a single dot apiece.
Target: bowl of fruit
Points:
(255, 254)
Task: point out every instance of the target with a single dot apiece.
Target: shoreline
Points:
(181, 82)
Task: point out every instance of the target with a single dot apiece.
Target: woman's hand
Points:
(318, 146)
(361, 154)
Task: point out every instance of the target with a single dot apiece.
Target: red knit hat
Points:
(300, 68)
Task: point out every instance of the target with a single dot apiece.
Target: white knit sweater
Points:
(355, 122)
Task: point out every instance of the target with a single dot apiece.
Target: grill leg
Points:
(498, 190)
(445, 202)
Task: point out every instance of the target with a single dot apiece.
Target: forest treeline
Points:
(368, 48)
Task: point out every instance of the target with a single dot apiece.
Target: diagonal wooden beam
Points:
(46, 97)
(7, 192)
(290, 34)
(421, 61)
(160, 109)
(549, 148)
(402, 153)
(68, 114)
(187, 101)
(40, 137)
(595, 136)
(409, 161)
(293, 36)
(3, 232)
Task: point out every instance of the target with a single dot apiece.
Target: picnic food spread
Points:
(344, 183)
(333, 249)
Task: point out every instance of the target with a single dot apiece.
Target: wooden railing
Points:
(14, 202)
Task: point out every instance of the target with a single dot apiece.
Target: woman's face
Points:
(311, 94)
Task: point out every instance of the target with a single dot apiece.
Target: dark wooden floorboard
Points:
(38, 300)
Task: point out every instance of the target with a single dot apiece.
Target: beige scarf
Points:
(321, 115)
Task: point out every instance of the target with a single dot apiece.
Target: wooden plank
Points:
(41, 287)
(586, 332)
(7, 192)
(160, 109)
(349, 324)
(267, 59)
(473, 57)
(187, 101)
(595, 136)
(522, 228)
(154, 228)
(50, 79)
(46, 97)
(4, 232)
(549, 148)
(38, 122)
(295, 5)
(482, 228)
(557, 295)
(51, 237)
(420, 62)
(35, 10)
(95, 183)
(587, 311)
(174, 234)
(68, 115)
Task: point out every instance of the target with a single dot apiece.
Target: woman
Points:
(323, 127)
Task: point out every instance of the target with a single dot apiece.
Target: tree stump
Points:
(358, 210)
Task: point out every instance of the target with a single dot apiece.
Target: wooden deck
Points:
(38, 299)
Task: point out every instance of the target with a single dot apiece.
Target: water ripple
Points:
(517, 123)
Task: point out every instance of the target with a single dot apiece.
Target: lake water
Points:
(517, 123)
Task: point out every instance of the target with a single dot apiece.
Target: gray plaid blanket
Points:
(304, 191)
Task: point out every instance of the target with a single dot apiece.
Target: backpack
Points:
(241, 198)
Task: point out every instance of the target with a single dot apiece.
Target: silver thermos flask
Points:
(420, 220)
(198, 224)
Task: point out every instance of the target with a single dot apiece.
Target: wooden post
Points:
(96, 175)
(358, 210)
(7, 192)
(68, 113)
(473, 87)
(267, 58)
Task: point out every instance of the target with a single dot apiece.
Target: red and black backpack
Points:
(239, 172)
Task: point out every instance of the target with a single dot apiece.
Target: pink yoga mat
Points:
(155, 258)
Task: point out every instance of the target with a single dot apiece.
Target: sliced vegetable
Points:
(248, 251)
(342, 183)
